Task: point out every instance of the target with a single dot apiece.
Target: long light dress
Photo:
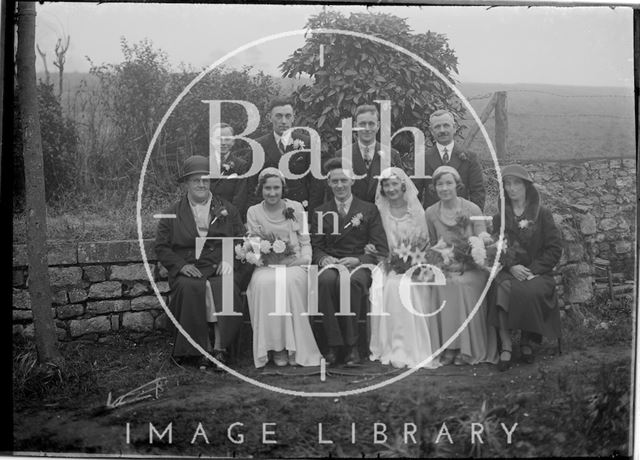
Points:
(276, 333)
(478, 340)
(404, 338)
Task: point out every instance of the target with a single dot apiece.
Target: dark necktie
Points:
(367, 157)
(281, 146)
(445, 156)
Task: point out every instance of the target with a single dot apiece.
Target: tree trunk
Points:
(39, 289)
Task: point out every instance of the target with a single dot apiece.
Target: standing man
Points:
(307, 190)
(447, 152)
(342, 227)
(367, 152)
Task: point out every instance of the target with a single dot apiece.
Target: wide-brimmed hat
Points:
(196, 164)
(517, 171)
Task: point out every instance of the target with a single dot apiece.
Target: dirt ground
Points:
(550, 401)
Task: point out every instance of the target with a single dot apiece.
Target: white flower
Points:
(240, 252)
(246, 245)
(524, 223)
(486, 238)
(298, 144)
(253, 258)
(265, 247)
(305, 203)
(279, 246)
(417, 257)
(224, 212)
(356, 220)
(403, 251)
(445, 251)
(478, 252)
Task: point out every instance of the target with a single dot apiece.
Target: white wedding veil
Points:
(414, 207)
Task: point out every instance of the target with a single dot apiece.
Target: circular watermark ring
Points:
(145, 164)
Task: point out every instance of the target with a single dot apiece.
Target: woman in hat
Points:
(195, 277)
(280, 330)
(450, 220)
(523, 295)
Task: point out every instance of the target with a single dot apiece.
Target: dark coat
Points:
(365, 188)
(349, 242)
(175, 247)
(532, 304)
(308, 188)
(233, 190)
(467, 165)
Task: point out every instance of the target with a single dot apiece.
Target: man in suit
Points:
(341, 228)
(447, 152)
(196, 279)
(367, 152)
(307, 190)
(231, 189)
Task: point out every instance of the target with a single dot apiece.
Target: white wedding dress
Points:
(402, 338)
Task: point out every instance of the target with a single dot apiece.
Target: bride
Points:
(401, 337)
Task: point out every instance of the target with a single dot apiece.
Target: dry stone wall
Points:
(101, 287)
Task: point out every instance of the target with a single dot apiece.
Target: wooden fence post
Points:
(501, 126)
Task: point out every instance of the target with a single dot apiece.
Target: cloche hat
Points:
(517, 171)
(196, 164)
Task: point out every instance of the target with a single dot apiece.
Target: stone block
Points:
(594, 183)
(59, 297)
(579, 290)
(614, 164)
(62, 252)
(95, 273)
(107, 306)
(105, 290)
(65, 276)
(115, 322)
(20, 257)
(133, 272)
(600, 164)
(78, 327)
(608, 198)
(574, 251)
(138, 289)
(114, 251)
(137, 321)
(70, 311)
(19, 278)
(145, 303)
(163, 287)
(22, 315)
(622, 247)
(77, 295)
(162, 322)
(629, 164)
(17, 329)
(21, 299)
(608, 224)
(588, 224)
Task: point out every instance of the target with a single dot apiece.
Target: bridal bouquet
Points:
(263, 251)
(411, 252)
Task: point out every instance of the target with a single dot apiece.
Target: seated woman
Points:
(196, 281)
(403, 337)
(289, 338)
(523, 295)
(477, 342)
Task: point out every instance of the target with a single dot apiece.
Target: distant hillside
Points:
(545, 121)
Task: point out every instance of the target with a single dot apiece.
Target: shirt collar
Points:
(362, 147)
(449, 147)
(347, 203)
(285, 140)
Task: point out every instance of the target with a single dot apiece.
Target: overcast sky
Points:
(567, 46)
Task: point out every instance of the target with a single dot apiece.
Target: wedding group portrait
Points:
(381, 231)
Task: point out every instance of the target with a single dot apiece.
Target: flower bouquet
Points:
(411, 252)
(263, 251)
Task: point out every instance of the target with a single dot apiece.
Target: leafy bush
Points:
(59, 148)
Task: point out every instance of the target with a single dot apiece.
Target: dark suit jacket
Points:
(351, 241)
(308, 188)
(233, 190)
(365, 188)
(176, 238)
(467, 165)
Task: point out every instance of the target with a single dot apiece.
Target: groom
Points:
(358, 224)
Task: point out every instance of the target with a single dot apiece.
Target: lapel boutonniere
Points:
(298, 144)
(305, 203)
(288, 213)
(355, 221)
(220, 213)
(524, 224)
(228, 167)
(462, 156)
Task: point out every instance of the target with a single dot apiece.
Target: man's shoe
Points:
(526, 354)
(353, 357)
(280, 358)
(221, 356)
(331, 357)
